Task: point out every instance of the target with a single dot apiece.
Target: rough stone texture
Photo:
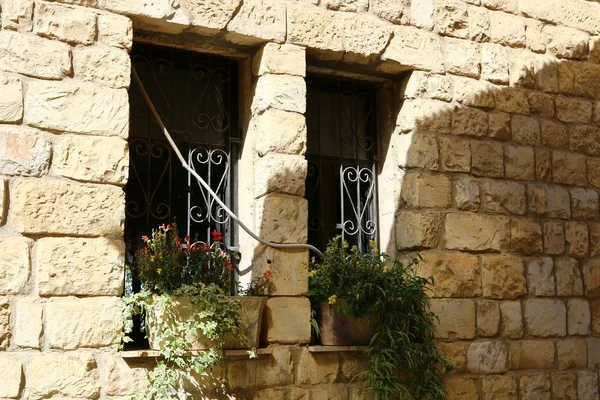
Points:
(587, 385)
(91, 159)
(23, 151)
(3, 200)
(115, 30)
(5, 330)
(499, 125)
(525, 130)
(278, 217)
(456, 274)
(11, 371)
(14, 264)
(568, 277)
(77, 108)
(503, 197)
(572, 110)
(17, 15)
(390, 10)
(317, 368)
(594, 231)
(455, 154)
(466, 194)
(479, 24)
(474, 93)
(259, 19)
(469, 121)
(531, 354)
(418, 229)
(476, 232)
(458, 387)
(11, 103)
(549, 201)
(571, 353)
(289, 267)
(283, 59)
(566, 42)
(593, 171)
(120, 379)
(578, 317)
(591, 277)
(28, 323)
(314, 27)
(457, 318)
(584, 203)
(281, 132)
(282, 92)
(534, 387)
(499, 387)
(541, 104)
(456, 353)
(66, 208)
(414, 48)
(286, 320)
(540, 277)
(568, 168)
(452, 19)
(593, 350)
(417, 150)
(426, 190)
(104, 65)
(415, 115)
(280, 173)
(545, 317)
(564, 385)
(525, 236)
(488, 318)
(494, 63)
(576, 234)
(73, 375)
(507, 29)
(584, 139)
(81, 267)
(488, 357)
(503, 277)
(487, 159)
(462, 57)
(533, 35)
(72, 323)
(512, 100)
(519, 162)
(511, 323)
(69, 24)
(543, 169)
(271, 371)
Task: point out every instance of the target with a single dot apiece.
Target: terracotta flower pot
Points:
(339, 329)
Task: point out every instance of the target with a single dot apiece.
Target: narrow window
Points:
(341, 185)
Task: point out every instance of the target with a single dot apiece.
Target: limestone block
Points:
(66, 208)
(499, 387)
(479, 24)
(531, 354)
(5, 330)
(462, 57)
(34, 56)
(584, 203)
(337, 392)
(317, 368)
(91, 159)
(11, 371)
(587, 385)
(262, 19)
(503, 197)
(69, 24)
(576, 234)
(352, 364)
(593, 346)
(17, 15)
(418, 150)
(554, 135)
(115, 30)
(412, 48)
(28, 323)
(271, 371)
(451, 19)
(416, 116)
(540, 277)
(578, 317)
(281, 132)
(511, 322)
(585, 139)
(11, 102)
(545, 317)
(503, 277)
(506, 29)
(429, 85)
(534, 38)
(578, 79)
(289, 267)
(314, 27)
(347, 5)
(104, 65)
(593, 171)
(120, 379)
(564, 385)
(14, 264)
(549, 201)
(473, 93)
(571, 353)
(393, 11)
(455, 154)
(488, 318)
(465, 231)
(287, 320)
(594, 231)
(541, 104)
(458, 387)
(456, 353)
(282, 219)
(73, 375)
(512, 100)
(499, 125)
(569, 109)
(274, 58)
(494, 63)
(504, 5)
(72, 323)
(421, 13)
(568, 277)
(466, 194)
(488, 358)
(487, 159)
(3, 200)
(81, 267)
(534, 387)
(456, 274)
(424, 190)
(519, 162)
(456, 318)
(418, 229)
(543, 166)
(282, 92)
(522, 68)
(365, 37)
(23, 151)
(280, 173)
(566, 42)
(171, 17)
(525, 130)
(591, 277)
(77, 108)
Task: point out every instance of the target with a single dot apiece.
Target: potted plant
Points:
(361, 290)
(187, 306)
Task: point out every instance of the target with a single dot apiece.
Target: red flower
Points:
(145, 238)
(228, 265)
(267, 275)
(187, 238)
(217, 236)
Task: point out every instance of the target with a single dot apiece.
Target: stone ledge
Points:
(335, 349)
(229, 354)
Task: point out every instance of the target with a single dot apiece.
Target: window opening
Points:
(341, 185)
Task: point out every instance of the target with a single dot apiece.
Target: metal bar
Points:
(207, 187)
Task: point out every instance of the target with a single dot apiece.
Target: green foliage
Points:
(259, 285)
(404, 361)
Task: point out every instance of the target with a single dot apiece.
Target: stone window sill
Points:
(335, 349)
(229, 354)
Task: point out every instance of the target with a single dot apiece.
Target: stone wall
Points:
(491, 171)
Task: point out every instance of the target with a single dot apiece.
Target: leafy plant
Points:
(404, 361)
(259, 285)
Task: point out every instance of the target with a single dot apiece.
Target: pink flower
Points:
(145, 238)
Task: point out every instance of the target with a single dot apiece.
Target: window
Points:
(196, 96)
(341, 186)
